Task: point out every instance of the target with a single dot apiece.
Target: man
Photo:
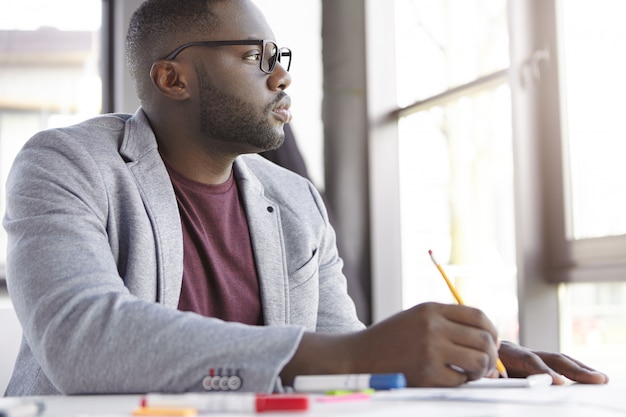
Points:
(157, 253)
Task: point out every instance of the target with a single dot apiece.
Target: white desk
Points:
(571, 401)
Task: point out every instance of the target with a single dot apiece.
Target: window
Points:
(508, 134)
(49, 72)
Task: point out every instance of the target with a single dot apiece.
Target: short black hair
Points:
(157, 26)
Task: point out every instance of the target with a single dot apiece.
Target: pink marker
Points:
(228, 402)
(356, 396)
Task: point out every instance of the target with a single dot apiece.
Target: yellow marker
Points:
(499, 365)
(349, 392)
(165, 411)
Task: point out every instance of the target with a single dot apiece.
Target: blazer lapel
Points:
(140, 148)
(267, 245)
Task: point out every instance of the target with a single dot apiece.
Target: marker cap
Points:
(387, 381)
(282, 403)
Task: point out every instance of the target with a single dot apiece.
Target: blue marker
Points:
(350, 382)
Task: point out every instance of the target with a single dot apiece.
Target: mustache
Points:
(281, 100)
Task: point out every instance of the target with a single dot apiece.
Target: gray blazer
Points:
(95, 263)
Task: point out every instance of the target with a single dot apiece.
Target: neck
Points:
(201, 159)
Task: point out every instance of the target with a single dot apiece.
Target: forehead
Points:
(241, 19)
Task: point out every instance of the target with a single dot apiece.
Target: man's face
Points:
(238, 104)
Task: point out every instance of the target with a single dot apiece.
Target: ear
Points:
(169, 78)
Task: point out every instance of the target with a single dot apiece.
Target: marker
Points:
(347, 391)
(165, 411)
(350, 396)
(20, 408)
(499, 365)
(231, 402)
(353, 382)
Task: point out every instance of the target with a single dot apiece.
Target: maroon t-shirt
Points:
(219, 273)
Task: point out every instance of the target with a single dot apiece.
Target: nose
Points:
(279, 79)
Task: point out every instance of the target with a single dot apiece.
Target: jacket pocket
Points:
(304, 294)
(305, 273)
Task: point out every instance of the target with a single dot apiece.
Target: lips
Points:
(281, 110)
(283, 114)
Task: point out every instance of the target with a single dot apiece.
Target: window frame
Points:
(601, 259)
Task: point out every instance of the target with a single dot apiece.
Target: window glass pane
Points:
(593, 325)
(446, 43)
(594, 86)
(456, 189)
(49, 72)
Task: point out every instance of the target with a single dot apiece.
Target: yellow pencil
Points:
(499, 365)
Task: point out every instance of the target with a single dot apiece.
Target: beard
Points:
(232, 120)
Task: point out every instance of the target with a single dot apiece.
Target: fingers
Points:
(435, 374)
(522, 362)
(469, 316)
(476, 335)
(534, 365)
(473, 363)
(572, 369)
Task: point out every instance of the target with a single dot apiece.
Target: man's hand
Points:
(521, 362)
(432, 344)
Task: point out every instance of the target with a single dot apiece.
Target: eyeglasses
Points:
(269, 57)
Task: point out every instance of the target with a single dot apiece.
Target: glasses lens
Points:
(284, 57)
(270, 56)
